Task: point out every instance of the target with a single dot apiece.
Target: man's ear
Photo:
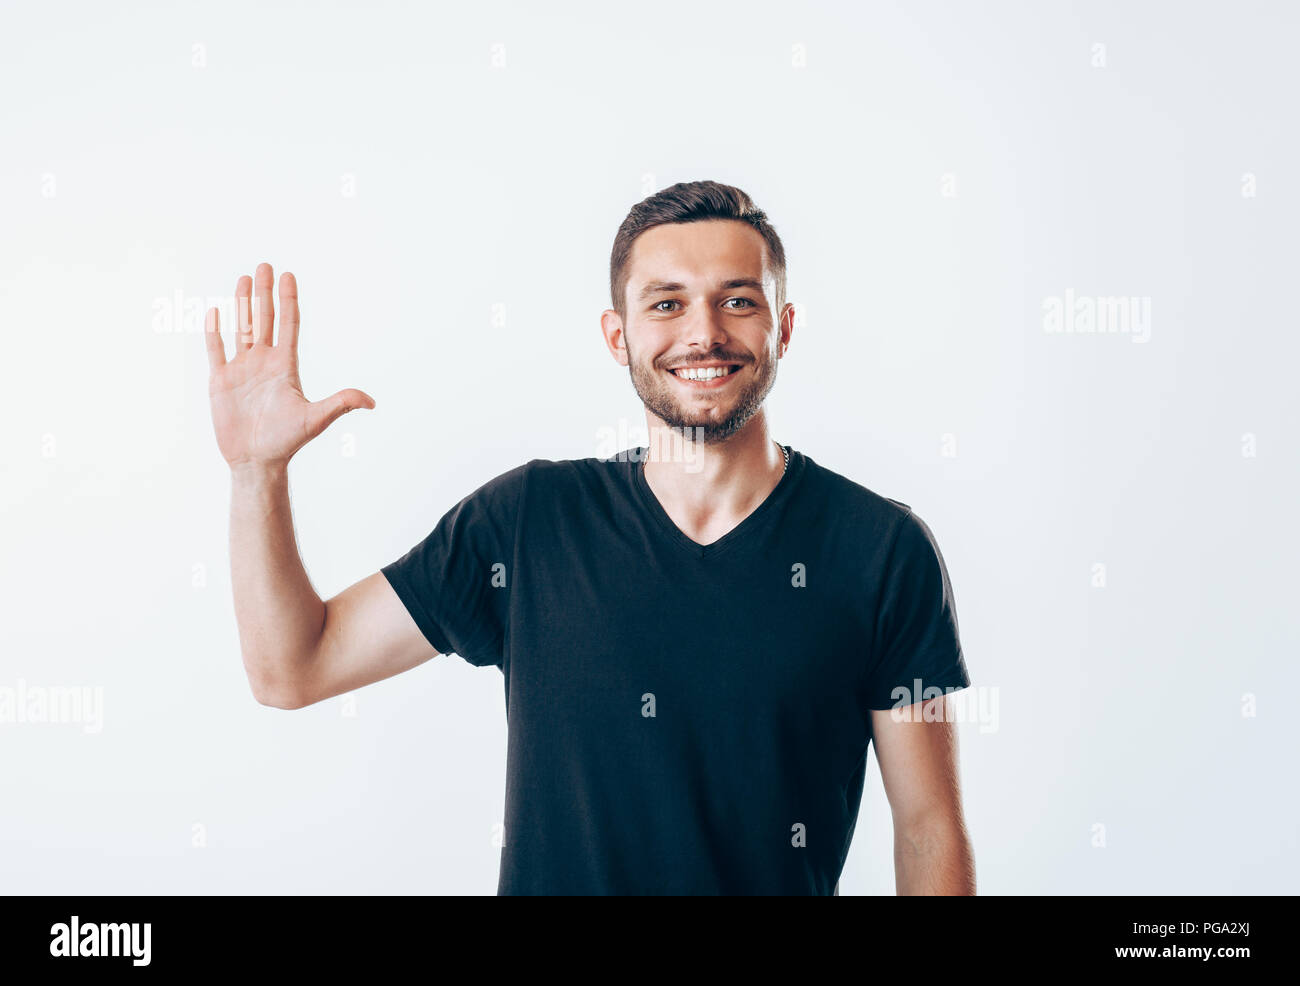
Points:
(611, 327)
(786, 327)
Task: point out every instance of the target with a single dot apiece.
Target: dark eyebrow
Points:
(657, 287)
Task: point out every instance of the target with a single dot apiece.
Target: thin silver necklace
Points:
(785, 451)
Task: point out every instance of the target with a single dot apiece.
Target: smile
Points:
(706, 377)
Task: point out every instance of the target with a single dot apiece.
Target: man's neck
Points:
(708, 490)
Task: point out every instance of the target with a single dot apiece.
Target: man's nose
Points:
(704, 328)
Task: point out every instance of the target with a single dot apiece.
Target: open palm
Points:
(259, 411)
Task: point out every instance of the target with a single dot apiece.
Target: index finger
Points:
(263, 277)
(288, 311)
(243, 314)
(212, 339)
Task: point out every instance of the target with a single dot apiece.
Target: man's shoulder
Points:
(864, 520)
(561, 470)
(542, 468)
(849, 494)
(530, 485)
(548, 478)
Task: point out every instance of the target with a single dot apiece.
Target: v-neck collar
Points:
(780, 493)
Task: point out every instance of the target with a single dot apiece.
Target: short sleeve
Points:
(456, 582)
(916, 645)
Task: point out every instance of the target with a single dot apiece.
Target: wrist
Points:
(258, 473)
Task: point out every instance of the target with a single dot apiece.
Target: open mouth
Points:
(704, 377)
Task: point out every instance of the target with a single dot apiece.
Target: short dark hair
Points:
(688, 202)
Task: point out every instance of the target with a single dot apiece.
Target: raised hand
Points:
(259, 411)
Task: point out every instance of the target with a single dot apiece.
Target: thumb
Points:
(321, 414)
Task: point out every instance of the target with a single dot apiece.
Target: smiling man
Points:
(697, 649)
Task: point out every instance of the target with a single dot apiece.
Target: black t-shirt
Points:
(684, 718)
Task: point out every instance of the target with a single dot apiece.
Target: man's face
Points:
(700, 297)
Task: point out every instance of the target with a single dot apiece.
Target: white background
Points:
(151, 157)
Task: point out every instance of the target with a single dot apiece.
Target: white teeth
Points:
(708, 373)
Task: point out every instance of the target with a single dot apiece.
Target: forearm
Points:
(933, 859)
(280, 615)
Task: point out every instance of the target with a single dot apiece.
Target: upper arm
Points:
(917, 652)
(368, 636)
(918, 762)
